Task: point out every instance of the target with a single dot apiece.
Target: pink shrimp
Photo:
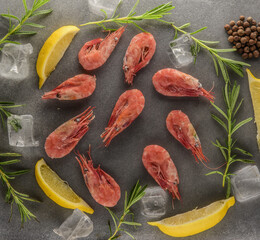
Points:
(179, 125)
(102, 187)
(78, 87)
(160, 166)
(128, 107)
(96, 52)
(138, 55)
(171, 82)
(64, 139)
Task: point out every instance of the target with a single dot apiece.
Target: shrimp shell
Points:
(77, 87)
(96, 52)
(128, 107)
(160, 166)
(179, 125)
(64, 138)
(171, 82)
(138, 55)
(102, 187)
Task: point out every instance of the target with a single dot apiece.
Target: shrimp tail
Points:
(208, 95)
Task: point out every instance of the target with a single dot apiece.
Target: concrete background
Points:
(122, 159)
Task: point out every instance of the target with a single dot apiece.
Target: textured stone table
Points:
(123, 157)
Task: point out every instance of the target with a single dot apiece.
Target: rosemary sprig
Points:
(220, 62)
(135, 195)
(155, 13)
(229, 123)
(5, 113)
(17, 29)
(12, 196)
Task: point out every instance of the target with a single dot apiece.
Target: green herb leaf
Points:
(12, 196)
(135, 195)
(242, 123)
(154, 14)
(218, 120)
(243, 151)
(199, 30)
(231, 95)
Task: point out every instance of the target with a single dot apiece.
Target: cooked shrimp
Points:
(181, 128)
(128, 107)
(96, 52)
(102, 187)
(64, 139)
(138, 55)
(171, 82)
(78, 87)
(160, 166)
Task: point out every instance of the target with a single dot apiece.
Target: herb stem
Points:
(118, 226)
(219, 62)
(229, 142)
(135, 195)
(229, 123)
(153, 14)
(13, 196)
(17, 29)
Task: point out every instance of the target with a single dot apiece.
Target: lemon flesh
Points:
(53, 50)
(254, 86)
(58, 190)
(195, 221)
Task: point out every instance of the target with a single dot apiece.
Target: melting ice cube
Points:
(246, 183)
(23, 137)
(77, 225)
(180, 51)
(108, 5)
(15, 61)
(154, 202)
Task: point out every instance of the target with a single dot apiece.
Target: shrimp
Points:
(102, 187)
(160, 166)
(138, 55)
(128, 107)
(96, 52)
(179, 125)
(171, 82)
(78, 87)
(64, 139)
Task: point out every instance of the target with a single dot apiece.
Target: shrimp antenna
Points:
(213, 168)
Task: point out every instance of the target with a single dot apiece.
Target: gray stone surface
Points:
(123, 157)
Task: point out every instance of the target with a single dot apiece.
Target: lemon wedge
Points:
(57, 190)
(195, 221)
(254, 86)
(53, 50)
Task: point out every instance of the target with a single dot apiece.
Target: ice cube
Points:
(15, 61)
(180, 51)
(154, 202)
(23, 137)
(108, 5)
(77, 225)
(246, 183)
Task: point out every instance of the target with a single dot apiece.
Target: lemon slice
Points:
(57, 190)
(195, 221)
(53, 50)
(254, 86)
